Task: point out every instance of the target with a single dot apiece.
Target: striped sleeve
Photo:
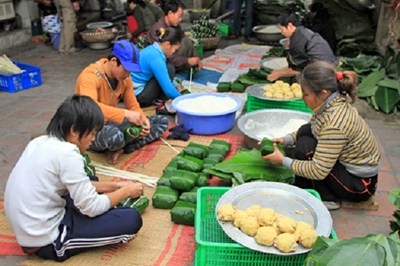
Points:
(331, 142)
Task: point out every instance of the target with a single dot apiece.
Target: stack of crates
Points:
(215, 248)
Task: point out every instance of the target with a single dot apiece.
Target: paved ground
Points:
(28, 112)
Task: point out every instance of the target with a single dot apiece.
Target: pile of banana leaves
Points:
(248, 165)
(381, 87)
(394, 197)
(371, 250)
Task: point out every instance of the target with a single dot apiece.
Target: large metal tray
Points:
(273, 63)
(257, 90)
(285, 199)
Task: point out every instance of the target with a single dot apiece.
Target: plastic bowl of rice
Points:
(206, 113)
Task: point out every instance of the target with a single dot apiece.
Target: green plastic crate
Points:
(254, 103)
(215, 248)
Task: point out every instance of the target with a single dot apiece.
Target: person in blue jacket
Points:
(155, 81)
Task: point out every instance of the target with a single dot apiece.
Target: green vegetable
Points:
(132, 132)
(164, 197)
(202, 181)
(183, 213)
(190, 163)
(196, 150)
(209, 162)
(183, 180)
(216, 156)
(140, 203)
(267, 147)
(164, 179)
(190, 196)
(90, 170)
(220, 145)
(237, 86)
(223, 86)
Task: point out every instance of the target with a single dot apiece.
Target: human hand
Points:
(200, 65)
(273, 76)
(129, 35)
(145, 127)
(276, 157)
(193, 61)
(134, 189)
(134, 117)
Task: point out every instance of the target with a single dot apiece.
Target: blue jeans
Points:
(237, 22)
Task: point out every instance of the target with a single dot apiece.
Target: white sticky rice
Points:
(207, 104)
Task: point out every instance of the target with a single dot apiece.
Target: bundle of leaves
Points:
(394, 197)
(248, 165)
(372, 250)
(382, 88)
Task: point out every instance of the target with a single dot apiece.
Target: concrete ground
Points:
(28, 112)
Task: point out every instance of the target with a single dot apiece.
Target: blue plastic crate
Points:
(29, 78)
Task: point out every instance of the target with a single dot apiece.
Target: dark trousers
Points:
(153, 91)
(79, 232)
(339, 184)
(111, 136)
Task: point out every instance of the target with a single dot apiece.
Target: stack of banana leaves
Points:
(248, 165)
(380, 79)
(177, 187)
(253, 76)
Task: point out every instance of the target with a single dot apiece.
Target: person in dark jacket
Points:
(305, 46)
(321, 23)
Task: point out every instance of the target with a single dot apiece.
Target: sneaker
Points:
(331, 205)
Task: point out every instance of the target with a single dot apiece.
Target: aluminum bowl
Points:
(266, 123)
(268, 33)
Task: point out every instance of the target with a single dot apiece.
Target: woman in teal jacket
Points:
(155, 81)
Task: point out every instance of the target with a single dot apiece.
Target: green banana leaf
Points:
(368, 85)
(249, 165)
(391, 62)
(362, 64)
(387, 98)
(220, 174)
(394, 196)
(390, 83)
(371, 250)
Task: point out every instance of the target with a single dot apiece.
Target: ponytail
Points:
(170, 34)
(321, 75)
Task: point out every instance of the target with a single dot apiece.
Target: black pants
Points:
(153, 91)
(339, 184)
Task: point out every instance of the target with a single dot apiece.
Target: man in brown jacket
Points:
(107, 82)
(185, 57)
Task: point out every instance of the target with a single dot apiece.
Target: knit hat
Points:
(128, 54)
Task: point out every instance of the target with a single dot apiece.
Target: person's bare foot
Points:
(112, 156)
